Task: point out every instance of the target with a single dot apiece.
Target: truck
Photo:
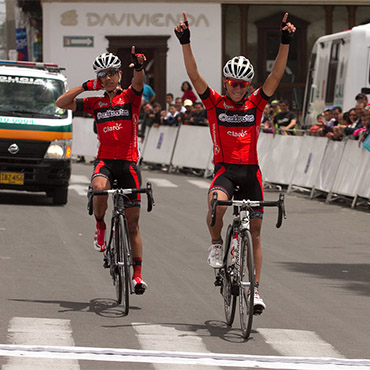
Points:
(339, 69)
(35, 135)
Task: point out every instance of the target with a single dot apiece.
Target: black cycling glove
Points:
(135, 63)
(286, 36)
(184, 35)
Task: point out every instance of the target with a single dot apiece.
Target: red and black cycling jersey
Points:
(117, 123)
(234, 127)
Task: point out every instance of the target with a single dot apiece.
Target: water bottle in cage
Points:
(234, 248)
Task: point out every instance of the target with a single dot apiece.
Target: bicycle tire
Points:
(115, 257)
(226, 288)
(246, 284)
(124, 266)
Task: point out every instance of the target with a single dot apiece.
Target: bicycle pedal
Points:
(218, 281)
(106, 264)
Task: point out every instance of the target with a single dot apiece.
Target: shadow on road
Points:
(104, 307)
(352, 276)
(25, 198)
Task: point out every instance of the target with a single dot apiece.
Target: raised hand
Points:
(182, 31)
(137, 60)
(287, 30)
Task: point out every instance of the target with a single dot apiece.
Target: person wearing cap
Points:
(361, 98)
(117, 116)
(234, 122)
(188, 104)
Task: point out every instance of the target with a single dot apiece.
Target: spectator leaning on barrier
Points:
(180, 106)
(198, 116)
(362, 132)
(234, 121)
(173, 117)
(118, 152)
(188, 104)
(349, 130)
(267, 120)
(285, 120)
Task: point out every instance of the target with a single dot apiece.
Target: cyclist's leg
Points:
(224, 188)
(256, 224)
(100, 181)
(129, 178)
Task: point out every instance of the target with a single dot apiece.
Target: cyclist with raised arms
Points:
(117, 116)
(234, 122)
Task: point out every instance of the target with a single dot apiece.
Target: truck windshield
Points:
(30, 97)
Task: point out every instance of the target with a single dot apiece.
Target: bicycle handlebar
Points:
(249, 204)
(148, 190)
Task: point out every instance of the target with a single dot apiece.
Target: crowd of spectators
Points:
(333, 122)
(185, 110)
(336, 124)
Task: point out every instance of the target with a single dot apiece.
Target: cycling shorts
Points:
(125, 172)
(246, 178)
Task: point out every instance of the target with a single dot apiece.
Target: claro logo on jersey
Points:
(117, 127)
(247, 118)
(112, 113)
(237, 134)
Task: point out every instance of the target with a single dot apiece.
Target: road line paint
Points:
(79, 189)
(200, 183)
(166, 338)
(298, 343)
(162, 183)
(80, 179)
(33, 332)
(184, 358)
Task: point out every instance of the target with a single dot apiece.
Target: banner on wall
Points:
(21, 42)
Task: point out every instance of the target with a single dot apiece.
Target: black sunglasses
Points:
(110, 73)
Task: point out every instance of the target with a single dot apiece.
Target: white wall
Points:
(101, 19)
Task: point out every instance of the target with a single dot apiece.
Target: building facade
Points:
(75, 32)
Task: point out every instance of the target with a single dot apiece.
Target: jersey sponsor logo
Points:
(110, 113)
(117, 127)
(102, 104)
(237, 134)
(232, 118)
(228, 106)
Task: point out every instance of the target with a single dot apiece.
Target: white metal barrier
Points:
(85, 141)
(314, 163)
(193, 148)
(160, 144)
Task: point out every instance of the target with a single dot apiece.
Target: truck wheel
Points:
(60, 196)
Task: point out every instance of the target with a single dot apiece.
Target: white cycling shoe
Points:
(259, 304)
(215, 256)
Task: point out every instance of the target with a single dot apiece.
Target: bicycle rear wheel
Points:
(247, 284)
(124, 264)
(226, 288)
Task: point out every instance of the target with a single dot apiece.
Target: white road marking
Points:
(166, 338)
(182, 358)
(79, 189)
(79, 179)
(38, 332)
(162, 183)
(200, 183)
(298, 343)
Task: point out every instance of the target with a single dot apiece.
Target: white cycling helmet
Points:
(239, 68)
(105, 61)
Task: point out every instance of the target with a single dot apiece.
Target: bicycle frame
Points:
(237, 276)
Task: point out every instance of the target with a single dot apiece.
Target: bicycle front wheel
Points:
(247, 284)
(227, 281)
(124, 265)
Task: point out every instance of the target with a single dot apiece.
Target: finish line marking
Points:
(183, 358)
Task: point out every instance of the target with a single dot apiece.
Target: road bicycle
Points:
(237, 276)
(117, 256)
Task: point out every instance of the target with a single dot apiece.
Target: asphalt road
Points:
(315, 280)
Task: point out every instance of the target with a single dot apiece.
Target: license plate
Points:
(13, 178)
